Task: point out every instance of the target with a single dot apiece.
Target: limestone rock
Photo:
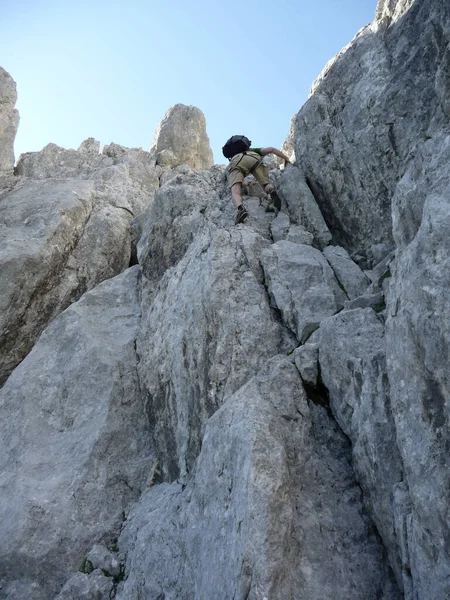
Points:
(384, 94)
(299, 235)
(89, 146)
(306, 360)
(389, 11)
(243, 527)
(302, 206)
(56, 162)
(183, 132)
(301, 285)
(207, 324)
(9, 122)
(58, 239)
(139, 174)
(347, 272)
(418, 350)
(280, 227)
(82, 450)
(353, 367)
(81, 586)
(375, 301)
(102, 558)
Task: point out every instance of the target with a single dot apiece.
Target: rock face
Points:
(243, 528)
(83, 451)
(9, 122)
(181, 138)
(383, 95)
(252, 412)
(64, 228)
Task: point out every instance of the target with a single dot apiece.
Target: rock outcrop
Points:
(9, 122)
(386, 94)
(252, 411)
(181, 138)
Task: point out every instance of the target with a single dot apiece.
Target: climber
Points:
(244, 161)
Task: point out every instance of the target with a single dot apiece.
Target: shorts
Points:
(240, 166)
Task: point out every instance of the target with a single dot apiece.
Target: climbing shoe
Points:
(276, 200)
(242, 214)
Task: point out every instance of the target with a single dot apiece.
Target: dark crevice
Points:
(318, 394)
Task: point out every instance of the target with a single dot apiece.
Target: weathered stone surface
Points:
(133, 172)
(95, 586)
(418, 350)
(353, 368)
(105, 560)
(9, 122)
(347, 272)
(75, 449)
(301, 285)
(382, 95)
(375, 301)
(177, 214)
(306, 360)
(389, 11)
(280, 227)
(299, 235)
(302, 206)
(89, 146)
(205, 332)
(243, 527)
(183, 132)
(56, 162)
(58, 239)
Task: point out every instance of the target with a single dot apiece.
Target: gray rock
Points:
(353, 368)
(176, 215)
(9, 122)
(418, 350)
(95, 586)
(382, 95)
(75, 449)
(89, 146)
(298, 235)
(102, 558)
(243, 527)
(301, 285)
(58, 239)
(375, 301)
(306, 360)
(389, 11)
(380, 273)
(280, 227)
(132, 173)
(183, 132)
(206, 330)
(302, 206)
(56, 162)
(347, 272)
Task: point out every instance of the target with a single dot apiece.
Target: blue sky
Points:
(110, 70)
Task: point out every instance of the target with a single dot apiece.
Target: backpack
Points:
(236, 145)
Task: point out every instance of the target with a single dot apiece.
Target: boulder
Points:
(353, 281)
(302, 205)
(301, 284)
(182, 133)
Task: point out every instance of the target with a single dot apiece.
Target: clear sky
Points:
(110, 69)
